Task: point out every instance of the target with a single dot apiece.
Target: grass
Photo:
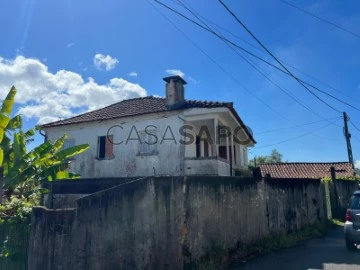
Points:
(281, 241)
(336, 222)
(219, 258)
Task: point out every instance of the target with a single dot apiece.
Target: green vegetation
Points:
(336, 222)
(24, 172)
(219, 258)
(274, 157)
(282, 241)
(14, 236)
(356, 178)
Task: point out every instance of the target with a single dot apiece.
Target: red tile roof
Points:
(306, 170)
(140, 106)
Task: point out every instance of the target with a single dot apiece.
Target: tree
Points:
(274, 157)
(24, 171)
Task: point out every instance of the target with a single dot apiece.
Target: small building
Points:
(158, 136)
(306, 170)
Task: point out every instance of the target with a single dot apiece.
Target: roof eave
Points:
(234, 112)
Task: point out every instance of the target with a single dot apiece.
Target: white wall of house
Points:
(127, 161)
(167, 157)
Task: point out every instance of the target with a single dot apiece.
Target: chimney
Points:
(174, 91)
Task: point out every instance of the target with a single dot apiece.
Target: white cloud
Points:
(194, 81)
(178, 72)
(175, 72)
(133, 74)
(70, 45)
(104, 62)
(357, 164)
(49, 96)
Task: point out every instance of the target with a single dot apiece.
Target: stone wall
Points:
(340, 193)
(345, 188)
(293, 204)
(51, 237)
(170, 222)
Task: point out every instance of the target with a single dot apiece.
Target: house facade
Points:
(157, 136)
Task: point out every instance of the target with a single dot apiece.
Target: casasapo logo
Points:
(184, 135)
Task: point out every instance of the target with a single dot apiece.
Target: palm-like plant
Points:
(24, 171)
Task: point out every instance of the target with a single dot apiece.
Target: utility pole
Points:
(347, 137)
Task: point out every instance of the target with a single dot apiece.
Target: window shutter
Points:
(109, 147)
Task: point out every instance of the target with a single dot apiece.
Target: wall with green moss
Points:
(170, 222)
(14, 240)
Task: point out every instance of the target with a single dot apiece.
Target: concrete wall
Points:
(64, 194)
(206, 166)
(52, 233)
(345, 189)
(167, 223)
(293, 203)
(340, 192)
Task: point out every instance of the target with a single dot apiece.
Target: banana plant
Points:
(24, 171)
(5, 119)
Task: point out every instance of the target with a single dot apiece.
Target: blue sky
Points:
(66, 57)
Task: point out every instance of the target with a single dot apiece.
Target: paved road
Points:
(327, 253)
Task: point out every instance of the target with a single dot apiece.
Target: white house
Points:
(158, 136)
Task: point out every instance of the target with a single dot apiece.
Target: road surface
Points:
(327, 253)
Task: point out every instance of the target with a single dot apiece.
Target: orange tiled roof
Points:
(306, 170)
(141, 106)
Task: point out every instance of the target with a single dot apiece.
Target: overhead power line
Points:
(321, 82)
(274, 57)
(257, 57)
(263, 60)
(352, 123)
(222, 28)
(330, 95)
(259, 70)
(219, 66)
(296, 137)
(321, 19)
(295, 126)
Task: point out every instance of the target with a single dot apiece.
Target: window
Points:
(222, 152)
(234, 154)
(355, 202)
(105, 147)
(204, 145)
(206, 148)
(148, 143)
(198, 149)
